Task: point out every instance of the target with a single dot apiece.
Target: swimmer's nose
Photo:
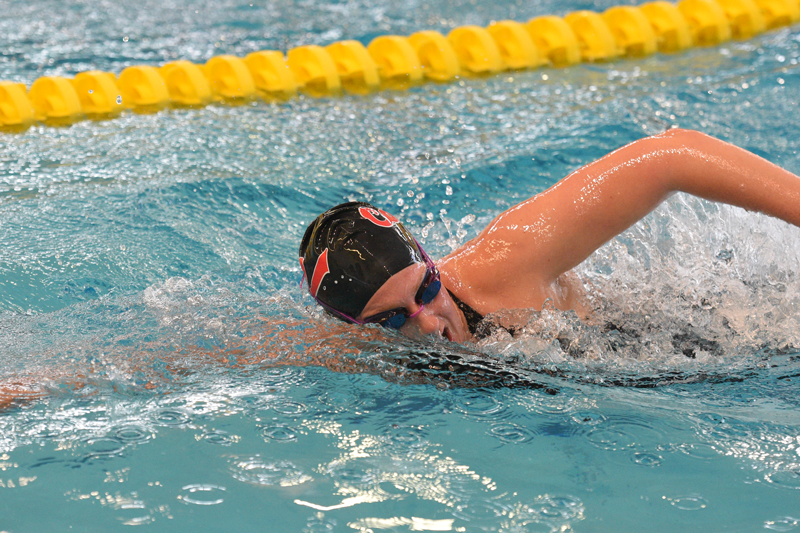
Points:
(425, 322)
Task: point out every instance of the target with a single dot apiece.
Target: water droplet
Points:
(511, 433)
(279, 433)
(202, 494)
(281, 473)
(171, 417)
(784, 523)
(130, 434)
(647, 459)
(692, 502)
(119, 99)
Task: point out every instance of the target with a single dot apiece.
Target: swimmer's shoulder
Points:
(487, 287)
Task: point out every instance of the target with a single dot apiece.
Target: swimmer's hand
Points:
(20, 389)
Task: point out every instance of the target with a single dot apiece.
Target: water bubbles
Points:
(279, 433)
(103, 447)
(413, 436)
(219, 438)
(510, 433)
(647, 459)
(787, 478)
(610, 438)
(479, 404)
(202, 494)
(588, 418)
(691, 502)
(699, 450)
(479, 511)
(269, 473)
(133, 434)
(288, 407)
(171, 417)
(339, 400)
(782, 524)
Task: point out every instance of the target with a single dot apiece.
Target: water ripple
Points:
(202, 494)
(259, 472)
(171, 417)
(788, 478)
(782, 524)
(647, 459)
(699, 450)
(691, 502)
(481, 405)
(511, 433)
(103, 447)
(279, 433)
(133, 434)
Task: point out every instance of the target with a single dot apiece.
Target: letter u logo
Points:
(379, 217)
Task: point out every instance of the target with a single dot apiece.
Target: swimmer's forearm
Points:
(718, 171)
(15, 391)
(562, 226)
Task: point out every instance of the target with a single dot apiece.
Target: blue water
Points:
(148, 278)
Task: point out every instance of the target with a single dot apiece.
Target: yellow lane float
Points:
(98, 94)
(594, 36)
(515, 45)
(55, 101)
(476, 50)
(778, 13)
(437, 58)
(398, 64)
(143, 89)
(555, 39)
(631, 30)
(357, 70)
(229, 79)
(670, 26)
(707, 21)
(271, 74)
(314, 70)
(186, 84)
(16, 111)
(393, 61)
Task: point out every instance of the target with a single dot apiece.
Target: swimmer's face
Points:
(441, 317)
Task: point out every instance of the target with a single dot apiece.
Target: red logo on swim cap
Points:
(379, 217)
(319, 272)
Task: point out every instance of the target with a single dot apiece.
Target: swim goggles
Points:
(396, 318)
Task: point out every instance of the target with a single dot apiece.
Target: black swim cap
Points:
(350, 251)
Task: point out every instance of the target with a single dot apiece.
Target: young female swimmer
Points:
(363, 266)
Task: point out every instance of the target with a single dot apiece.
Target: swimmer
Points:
(363, 267)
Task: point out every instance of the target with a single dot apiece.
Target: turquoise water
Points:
(152, 260)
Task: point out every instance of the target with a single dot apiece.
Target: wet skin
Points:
(524, 257)
(440, 318)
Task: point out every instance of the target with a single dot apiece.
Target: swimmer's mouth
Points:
(447, 335)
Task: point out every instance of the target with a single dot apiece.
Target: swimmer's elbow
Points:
(681, 134)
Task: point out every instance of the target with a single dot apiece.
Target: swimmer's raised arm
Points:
(544, 237)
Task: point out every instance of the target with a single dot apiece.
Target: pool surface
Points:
(148, 265)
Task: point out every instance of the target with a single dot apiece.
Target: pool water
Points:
(148, 266)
